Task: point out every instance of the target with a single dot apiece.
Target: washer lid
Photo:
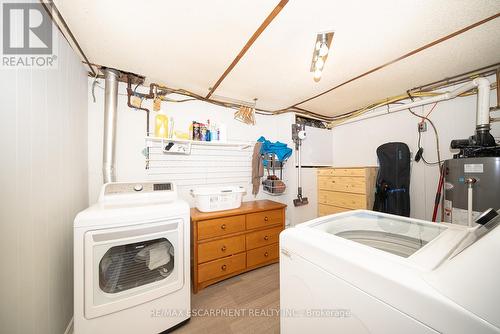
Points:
(412, 241)
(388, 233)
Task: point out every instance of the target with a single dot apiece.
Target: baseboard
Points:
(69, 329)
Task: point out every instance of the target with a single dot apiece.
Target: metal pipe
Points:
(54, 10)
(458, 79)
(110, 114)
(299, 170)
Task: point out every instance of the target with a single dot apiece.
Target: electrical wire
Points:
(434, 106)
(345, 117)
(436, 135)
(440, 191)
(420, 146)
(333, 120)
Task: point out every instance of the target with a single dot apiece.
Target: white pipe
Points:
(470, 183)
(110, 114)
(469, 205)
(483, 99)
(483, 102)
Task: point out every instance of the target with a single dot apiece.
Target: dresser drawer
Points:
(219, 248)
(344, 200)
(263, 238)
(341, 172)
(265, 218)
(324, 209)
(346, 184)
(262, 255)
(220, 227)
(221, 267)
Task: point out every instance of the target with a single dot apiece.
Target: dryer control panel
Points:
(132, 192)
(144, 187)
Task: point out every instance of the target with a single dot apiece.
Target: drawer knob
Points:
(266, 237)
(224, 267)
(266, 254)
(223, 248)
(223, 226)
(266, 219)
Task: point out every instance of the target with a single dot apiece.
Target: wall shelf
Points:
(238, 144)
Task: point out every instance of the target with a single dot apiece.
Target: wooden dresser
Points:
(344, 189)
(228, 243)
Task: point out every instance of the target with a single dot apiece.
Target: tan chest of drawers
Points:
(344, 189)
(228, 243)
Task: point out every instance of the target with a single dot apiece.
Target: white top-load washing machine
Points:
(131, 260)
(369, 272)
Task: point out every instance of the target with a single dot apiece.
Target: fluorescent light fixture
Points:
(321, 48)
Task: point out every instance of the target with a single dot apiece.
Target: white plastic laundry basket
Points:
(217, 198)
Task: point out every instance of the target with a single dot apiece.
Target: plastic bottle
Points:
(209, 132)
(214, 132)
(161, 124)
(203, 132)
(196, 131)
(190, 130)
(171, 128)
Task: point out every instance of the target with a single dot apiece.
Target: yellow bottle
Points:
(161, 124)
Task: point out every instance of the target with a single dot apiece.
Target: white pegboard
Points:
(206, 165)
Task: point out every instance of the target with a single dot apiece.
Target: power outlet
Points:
(422, 126)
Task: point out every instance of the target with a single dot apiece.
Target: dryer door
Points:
(131, 265)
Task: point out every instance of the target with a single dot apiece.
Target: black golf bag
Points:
(393, 179)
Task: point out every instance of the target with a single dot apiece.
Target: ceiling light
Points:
(317, 74)
(323, 50)
(320, 63)
(320, 53)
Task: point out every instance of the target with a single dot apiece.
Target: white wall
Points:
(131, 127)
(355, 144)
(43, 140)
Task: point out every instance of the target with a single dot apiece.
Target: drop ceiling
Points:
(189, 45)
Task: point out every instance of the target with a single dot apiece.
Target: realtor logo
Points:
(27, 36)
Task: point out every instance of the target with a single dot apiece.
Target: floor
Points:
(250, 302)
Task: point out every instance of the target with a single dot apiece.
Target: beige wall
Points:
(43, 144)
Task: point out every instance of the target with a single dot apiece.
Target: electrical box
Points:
(422, 126)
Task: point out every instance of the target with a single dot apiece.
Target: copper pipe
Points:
(130, 92)
(458, 79)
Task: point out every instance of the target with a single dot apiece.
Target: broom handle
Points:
(298, 170)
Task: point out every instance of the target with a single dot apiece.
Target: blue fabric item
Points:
(281, 150)
(397, 190)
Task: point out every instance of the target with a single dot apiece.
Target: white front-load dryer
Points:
(131, 260)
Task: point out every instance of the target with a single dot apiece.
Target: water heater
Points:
(485, 171)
